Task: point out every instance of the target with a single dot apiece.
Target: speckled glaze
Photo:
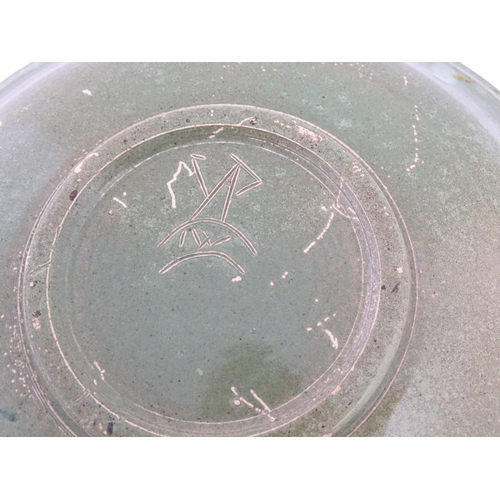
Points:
(249, 249)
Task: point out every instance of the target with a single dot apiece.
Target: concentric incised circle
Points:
(216, 270)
